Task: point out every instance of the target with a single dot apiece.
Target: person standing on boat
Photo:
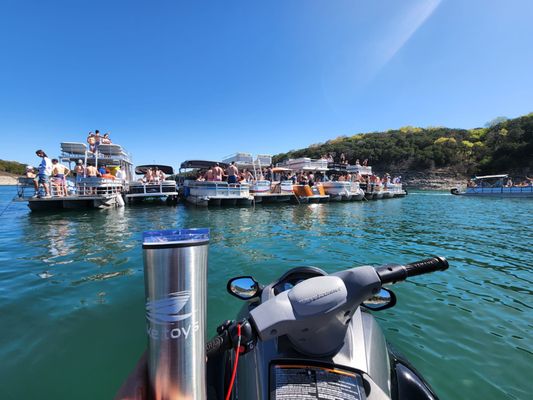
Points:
(79, 171)
(232, 171)
(218, 173)
(60, 173)
(120, 174)
(92, 142)
(92, 171)
(43, 177)
(210, 174)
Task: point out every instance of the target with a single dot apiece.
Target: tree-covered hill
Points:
(12, 167)
(504, 146)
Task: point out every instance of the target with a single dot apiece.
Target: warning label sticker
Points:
(300, 382)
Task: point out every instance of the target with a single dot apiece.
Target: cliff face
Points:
(435, 180)
(7, 179)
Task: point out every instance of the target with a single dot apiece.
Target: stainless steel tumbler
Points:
(175, 276)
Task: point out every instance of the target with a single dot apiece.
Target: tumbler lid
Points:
(175, 238)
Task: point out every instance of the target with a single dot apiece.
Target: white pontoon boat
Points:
(210, 193)
(157, 188)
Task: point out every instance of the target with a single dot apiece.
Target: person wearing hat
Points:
(30, 173)
(43, 177)
(79, 170)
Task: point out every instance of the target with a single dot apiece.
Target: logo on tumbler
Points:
(167, 310)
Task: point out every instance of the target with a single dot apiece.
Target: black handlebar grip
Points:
(216, 345)
(425, 266)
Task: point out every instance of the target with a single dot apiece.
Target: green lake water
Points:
(72, 294)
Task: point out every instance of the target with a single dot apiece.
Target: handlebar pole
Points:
(393, 273)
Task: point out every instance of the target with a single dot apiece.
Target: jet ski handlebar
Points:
(302, 311)
(393, 273)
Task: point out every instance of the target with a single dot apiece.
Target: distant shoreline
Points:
(8, 179)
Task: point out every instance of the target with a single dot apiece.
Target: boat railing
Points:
(217, 188)
(361, 169)
(26, 188)
(394, 187)
(94, 186)
(73, 150)
(500, 189)
(305, 164)
(151, 188)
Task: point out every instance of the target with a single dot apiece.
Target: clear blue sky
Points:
(175, 80)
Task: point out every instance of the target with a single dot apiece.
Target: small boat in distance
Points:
(496, 186)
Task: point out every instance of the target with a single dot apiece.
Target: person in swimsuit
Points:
(219, 173)
(92, 142)
(60, 173)
(210, 174)
(232, 171)
(105, 139)
(79, 171)
(97, 137)
(30, 173)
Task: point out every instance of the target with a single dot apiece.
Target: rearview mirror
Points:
(381, 301)
(243, 287)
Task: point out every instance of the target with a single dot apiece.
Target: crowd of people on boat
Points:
(94, 139)
(231, 174)
(342, 159)
(507, 182)
(153, 176)
(51, 175)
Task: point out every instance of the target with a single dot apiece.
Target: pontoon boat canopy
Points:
(201, 164)
(280, 169)
(141, 169)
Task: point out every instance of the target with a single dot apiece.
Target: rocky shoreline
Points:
(433, 180)
(8, 179)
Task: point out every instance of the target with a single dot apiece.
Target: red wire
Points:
(237, 351)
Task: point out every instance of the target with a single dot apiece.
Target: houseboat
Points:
(496, 186)
(82, 191)
(153, 186)
(193, 187)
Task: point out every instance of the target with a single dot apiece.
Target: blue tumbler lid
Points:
(175, 238)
